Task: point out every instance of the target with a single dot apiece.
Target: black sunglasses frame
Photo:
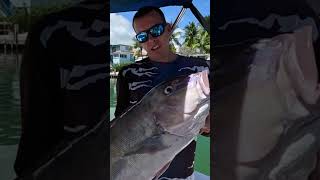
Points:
(148, 32)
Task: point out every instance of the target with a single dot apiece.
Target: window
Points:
(123, 55)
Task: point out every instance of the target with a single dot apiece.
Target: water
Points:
(9, 113)
(202, 158)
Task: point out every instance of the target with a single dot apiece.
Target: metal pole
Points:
(16, 35)
(178, 19)
(5, 47)
(198, 15)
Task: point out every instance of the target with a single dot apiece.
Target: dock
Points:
(114, 74)
(20, 39)
(11, 42)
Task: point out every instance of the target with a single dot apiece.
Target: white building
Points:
(121, 54)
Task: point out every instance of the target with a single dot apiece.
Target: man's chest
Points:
(142, 79)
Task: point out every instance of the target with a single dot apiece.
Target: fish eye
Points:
(168, 90)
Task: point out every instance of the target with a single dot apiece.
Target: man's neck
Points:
(169, 57)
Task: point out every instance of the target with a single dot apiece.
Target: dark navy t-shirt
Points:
(135, 80)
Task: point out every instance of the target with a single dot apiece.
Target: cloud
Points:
(121, 31)
(181, 31)
(180, 37)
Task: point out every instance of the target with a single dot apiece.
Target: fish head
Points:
(181, 105)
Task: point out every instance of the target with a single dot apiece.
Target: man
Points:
(63, 81)
(135, 80)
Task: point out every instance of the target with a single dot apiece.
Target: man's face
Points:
(156, 47)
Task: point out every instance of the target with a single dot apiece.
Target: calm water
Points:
(9, 113)
(10, 119)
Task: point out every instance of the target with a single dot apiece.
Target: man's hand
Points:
(206, 128)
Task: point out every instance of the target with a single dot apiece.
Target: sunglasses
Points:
(155, 31)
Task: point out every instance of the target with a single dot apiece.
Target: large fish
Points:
(165, 121)
(142, 140)
(267, 121)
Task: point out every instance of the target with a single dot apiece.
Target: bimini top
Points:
(117, 6)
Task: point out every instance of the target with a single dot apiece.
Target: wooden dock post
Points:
(5, 47)
(16, 36)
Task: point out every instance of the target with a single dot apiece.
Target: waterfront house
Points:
(121, 54)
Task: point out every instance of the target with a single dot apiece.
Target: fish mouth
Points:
(201, 78)
(201, 104)
(204, 82)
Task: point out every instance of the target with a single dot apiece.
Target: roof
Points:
(117, 6)
(120, 45)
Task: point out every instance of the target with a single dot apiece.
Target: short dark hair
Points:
(146, 10)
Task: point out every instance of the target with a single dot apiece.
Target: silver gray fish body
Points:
(164, 122)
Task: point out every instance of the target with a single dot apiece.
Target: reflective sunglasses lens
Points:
(157, 30)
(142, 37)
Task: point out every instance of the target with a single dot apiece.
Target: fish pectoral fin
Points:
(150, 146)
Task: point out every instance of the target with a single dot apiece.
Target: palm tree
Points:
(196, 38)
(203, 40)
(203, 37)
(207, 19)
(191, 32)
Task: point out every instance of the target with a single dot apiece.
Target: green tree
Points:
(191, 32)
(187, 51)
(203, 40)
(196, 38)
(136, 45)
(207, 19)
(172, 48)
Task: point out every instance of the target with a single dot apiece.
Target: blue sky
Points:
(123, 20)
